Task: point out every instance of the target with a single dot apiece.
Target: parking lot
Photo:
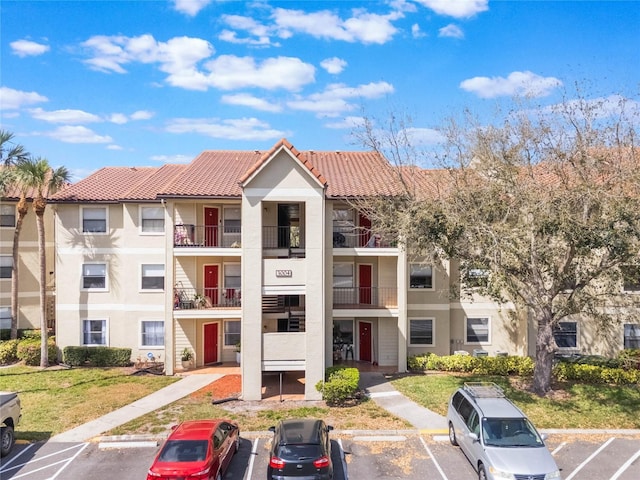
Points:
(580, 457)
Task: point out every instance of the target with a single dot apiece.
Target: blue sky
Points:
(88, 84)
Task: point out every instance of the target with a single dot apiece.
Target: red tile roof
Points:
(12, 192)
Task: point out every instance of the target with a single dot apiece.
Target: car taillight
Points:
(275, 462)
(321, 462)
(201, 475)
(152, 475)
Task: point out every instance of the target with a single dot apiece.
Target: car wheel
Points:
(482, 474)
(7, 440)
(452, 435)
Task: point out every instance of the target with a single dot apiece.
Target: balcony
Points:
(284, 351)
(365, 297)
(205, 236)
(352, 237)
(206, 298)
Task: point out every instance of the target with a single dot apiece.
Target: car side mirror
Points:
(544, 436)
(472, 436)
(329, 428)
(272, 429)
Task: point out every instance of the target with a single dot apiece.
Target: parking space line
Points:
(558, 448)
(343, 459)
(252, 456)
(69, 461)
(5, 465)
(426, 447)
(591, 457)
(626, 465)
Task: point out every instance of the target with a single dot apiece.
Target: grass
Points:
(56, 400)
(570, 405)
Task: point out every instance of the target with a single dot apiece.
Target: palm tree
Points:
(35, 173)
(10, 154)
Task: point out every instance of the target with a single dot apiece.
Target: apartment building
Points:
(258, 249)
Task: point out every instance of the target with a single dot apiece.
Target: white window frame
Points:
(227, 345)
(224, 276)
(5, 316)
(142, 323)
(433, 331)
(353, 275)
(142, 277)
(106, 220)
(636, 288)
(635, 327)
(141, 216)
(6, 261)
(105, 332)
(106, 278)
(424, 265)
(466, 328)
(4, 212)
(571, 349)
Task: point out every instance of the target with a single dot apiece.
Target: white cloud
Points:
(424, 136)
(114, 147)
(456, 8)
(77, 134)
(362, 26)
(333, 65)
(517, 83)
(231, 72)
(416, 32)
(142, 115)
(118, 118)
(452, 31)
(11, 99)
(172, 158)
(348, 122)
(190, 7)
(230, 129)
(336, 98)
(246, 100)
(27, 48)
(64, 116)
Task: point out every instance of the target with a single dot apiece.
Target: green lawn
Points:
(569, 406)
(55, 400)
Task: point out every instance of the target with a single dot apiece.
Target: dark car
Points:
(197, 450)
(300, 448)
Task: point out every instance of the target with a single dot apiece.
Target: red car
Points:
(197, 450)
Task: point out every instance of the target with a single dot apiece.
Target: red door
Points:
(364, 275)
(365, 341)
(210, 343)
(210, 227)
(365, 231)
(211, 284)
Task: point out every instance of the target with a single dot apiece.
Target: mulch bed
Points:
(226, 387)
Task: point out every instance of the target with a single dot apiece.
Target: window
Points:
(94, 332)
(153, 277)
(232, 276)
(94, 220)
(343, 227)
(6, 266)
(631, 335)
(631, 278)
(343, 275)
(477, 330)
(293, 324)
(231, 221)
(421, 332)
(7, 216)
(420, 276)
(477, 277)
(94, 275)
(566, 334)
(152, 333)
(231, 333)
(5, 318)
(152, 219)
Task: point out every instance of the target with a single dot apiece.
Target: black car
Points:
(301, 448)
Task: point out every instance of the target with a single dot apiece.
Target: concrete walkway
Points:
(162, 397)
(381, 391)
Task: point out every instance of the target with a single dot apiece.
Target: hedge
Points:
(28, 350)
(97, 356)
(340, 385)
(503, 366)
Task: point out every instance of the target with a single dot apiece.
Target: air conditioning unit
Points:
(480, 353)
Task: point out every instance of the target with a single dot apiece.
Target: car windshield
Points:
(510, 432)
(299, 452)
(184, 451)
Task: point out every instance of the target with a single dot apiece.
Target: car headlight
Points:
(553, 475)
(499, 474)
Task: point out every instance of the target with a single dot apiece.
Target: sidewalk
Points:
(381, 391)
(151, 402)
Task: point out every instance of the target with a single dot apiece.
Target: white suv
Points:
(497, 438)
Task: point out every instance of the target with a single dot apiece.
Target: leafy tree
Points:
(546, 202)
(35, 173)
(10, 154)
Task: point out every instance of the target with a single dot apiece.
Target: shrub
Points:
(28, 350)
(503, 366)
(8, 352)
(97, 356)
(594, 374)
(341, 385)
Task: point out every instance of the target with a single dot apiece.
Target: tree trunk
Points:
(545, 349)
(22, 209)
(39, 205)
